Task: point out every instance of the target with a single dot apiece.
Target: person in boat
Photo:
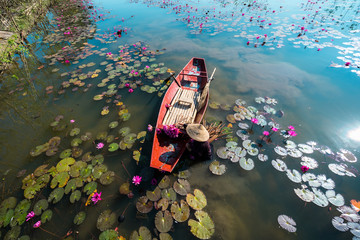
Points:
(199, 147)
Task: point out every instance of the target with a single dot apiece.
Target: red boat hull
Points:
(166, 151)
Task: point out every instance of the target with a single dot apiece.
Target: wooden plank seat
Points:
(183, 107)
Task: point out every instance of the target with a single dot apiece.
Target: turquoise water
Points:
(320, 101)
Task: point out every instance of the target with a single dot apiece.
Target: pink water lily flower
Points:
(127, 85)
(100, 145)
(292, 133)
(265, 133)
(150, 128)
(158, 131)
(96, 197)
(274, 129)
(109, 53)
(30, 215)
(37, 224)
(136, 180)
(72, 121)
(131, 90)
(291, 127)
(254, 120)
(304, 168)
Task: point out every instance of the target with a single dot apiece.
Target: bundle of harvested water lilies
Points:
(216, 130)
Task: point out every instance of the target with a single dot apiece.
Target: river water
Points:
(304, 54)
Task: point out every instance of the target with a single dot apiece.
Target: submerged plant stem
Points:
(50, 233)
(125, 169)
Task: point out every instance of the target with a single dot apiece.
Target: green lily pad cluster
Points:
(50, 148)
(165, 199)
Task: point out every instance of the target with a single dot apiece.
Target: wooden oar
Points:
(212, 75)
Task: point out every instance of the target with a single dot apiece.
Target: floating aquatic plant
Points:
(287, 223)
(204, 228)
(180, 212)
(142, 234)
(163, 221)
(143, 205)
(197, 201)
(106, 220)
(153, 195)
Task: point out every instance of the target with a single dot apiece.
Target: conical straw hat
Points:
(197, 132)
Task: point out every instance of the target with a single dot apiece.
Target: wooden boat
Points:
(188, 97)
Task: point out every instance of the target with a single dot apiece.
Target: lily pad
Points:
(8, 203)
(123, 145)
(40, 206)
(75, 142)
(56, 195)
(163, 221)
(217, 168)
(162, 204)
(61, 178)
(72, 185)
(31, 191)
(13, 233)
(79, 218)
(182, 187)
(107, 178)
(90, 188)
(76, 152)
(75, 196)
(87, 157)
(110, 138)
(86, 172)
(136, 155)
(46, 216)
(98, 97)
(197, 201)
(164, 182)
(154, 195)
(113, 124)
(6, 218)
(124, 131)
(109, 235)
(125, 188)
(41, 170)
(23, 206)
(74, 132)
(165, 236)
(75, 169)
(130, 138)
(143, 234)
(113, 147)
(97, 159)
(64, 165)
(169, 194)
(66, 153)
(101, 135)
(106, 220)
(141, 136)
(180, 212)
(18, 219)
(39, 149)
(99, 170)
(204, 228)
(143, 205)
